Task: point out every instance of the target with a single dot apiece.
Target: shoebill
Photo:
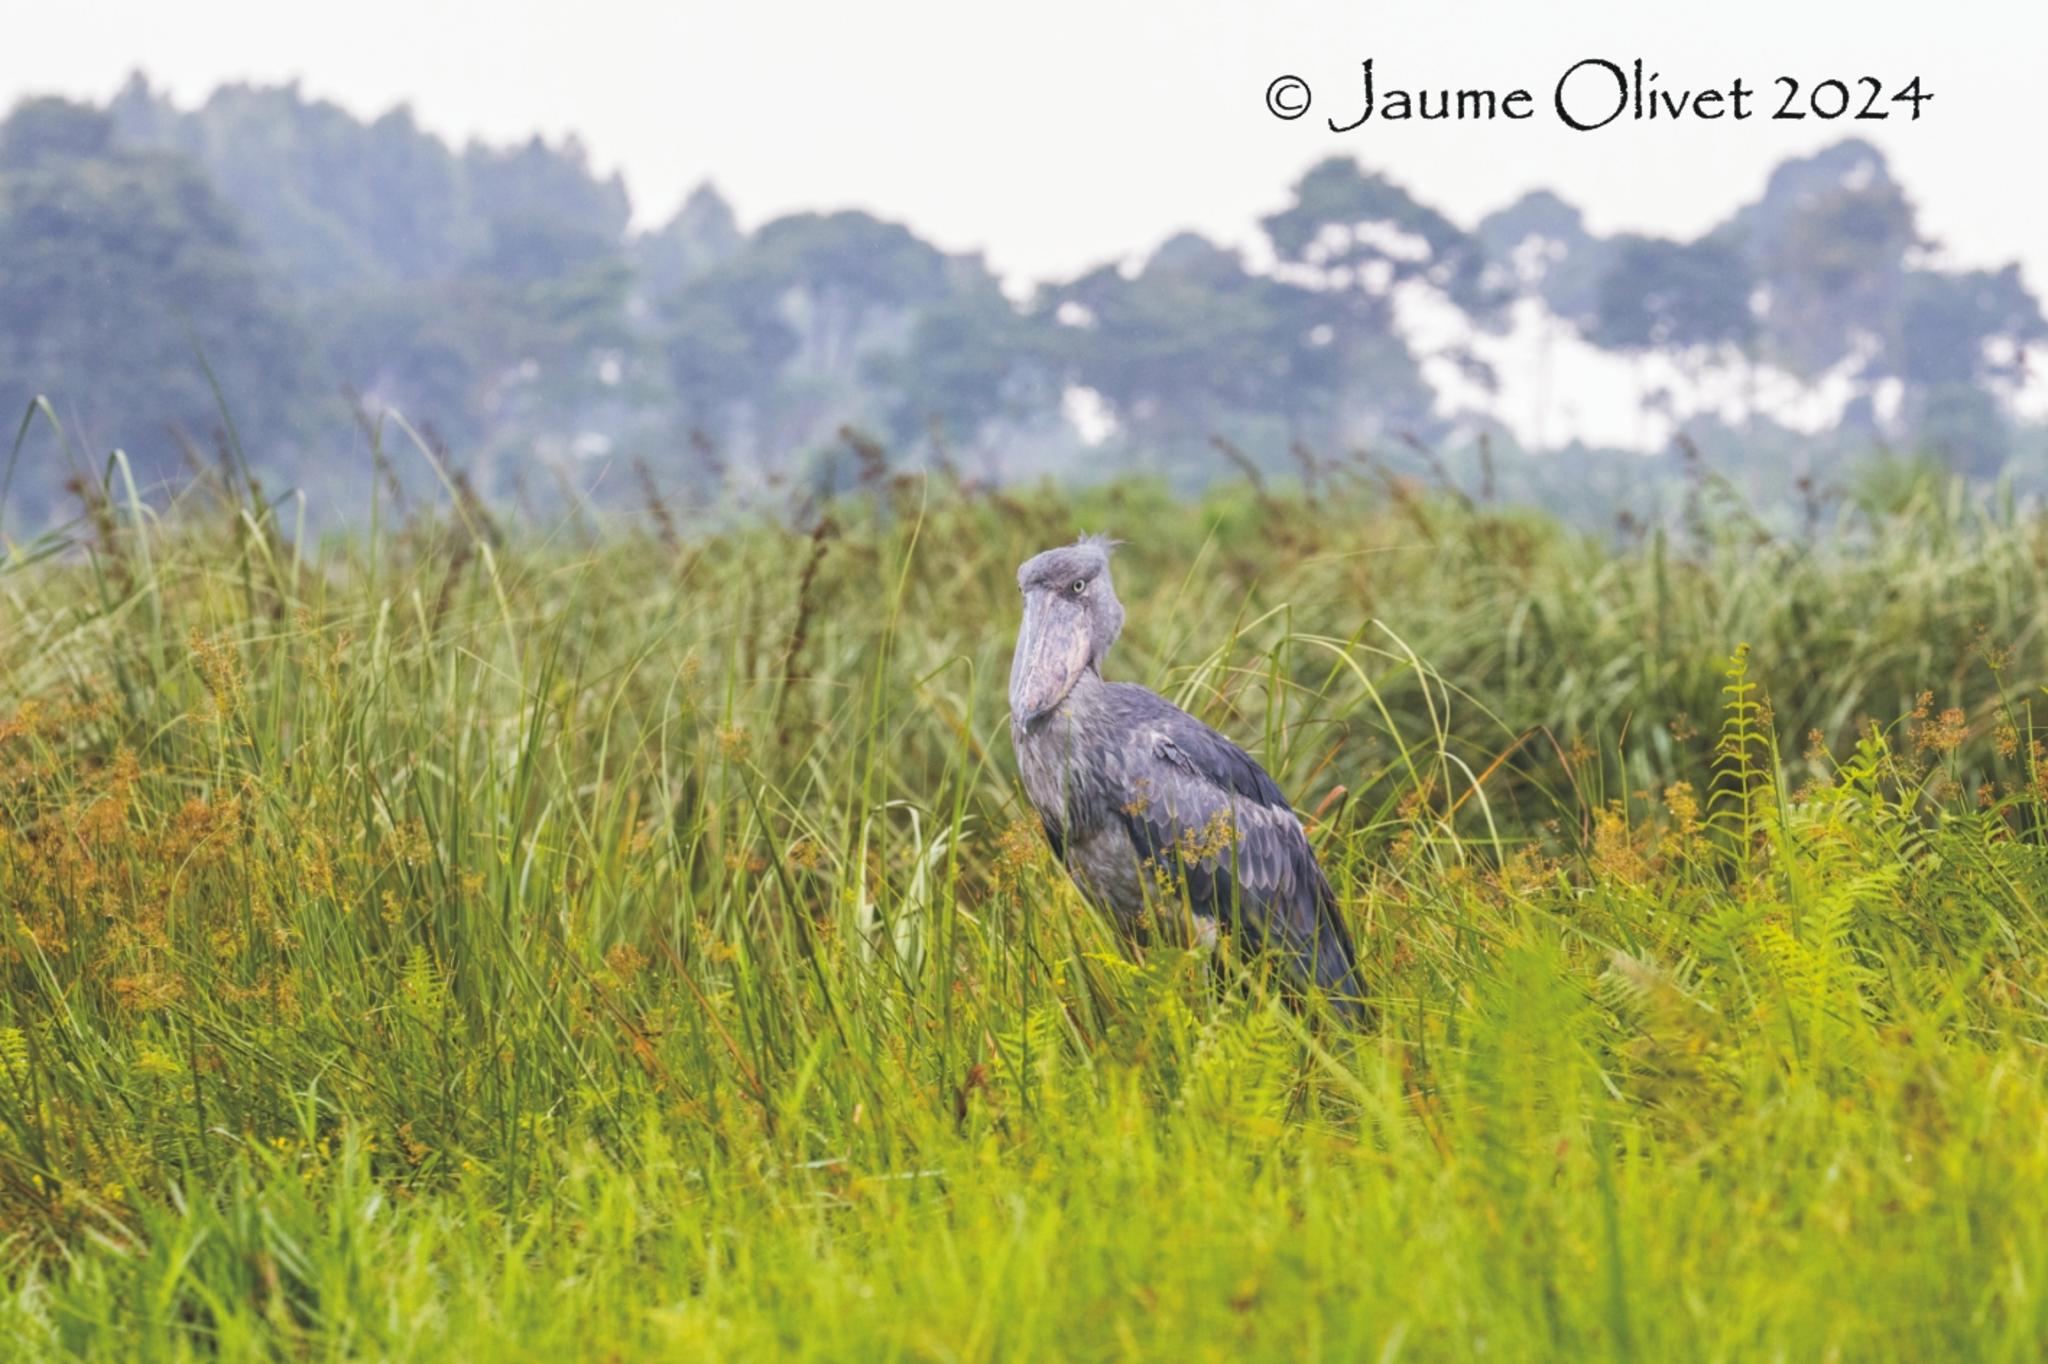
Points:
(1162, 822)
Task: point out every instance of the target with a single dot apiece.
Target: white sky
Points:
(1059, 134)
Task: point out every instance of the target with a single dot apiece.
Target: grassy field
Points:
(456, 941)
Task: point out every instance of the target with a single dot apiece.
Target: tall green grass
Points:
(456, 940)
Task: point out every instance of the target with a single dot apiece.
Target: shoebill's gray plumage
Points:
(1157, 817)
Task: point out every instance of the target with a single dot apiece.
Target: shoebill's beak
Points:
(1052, 653)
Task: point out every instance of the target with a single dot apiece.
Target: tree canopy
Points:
(503, 300)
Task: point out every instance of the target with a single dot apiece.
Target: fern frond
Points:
(1741, 801)
(14, 1054)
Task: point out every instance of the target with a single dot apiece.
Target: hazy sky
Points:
(1059, 134)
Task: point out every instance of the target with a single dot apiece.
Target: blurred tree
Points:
(974, 364)
(1350, 231)
(1359, 242)
(773, 343)
(496, 295)
(335, 202)
(1970, 328)
(1194, 344)
(1540, 244)
(701, 236)
(544, 214)
(119, 271)
(1966, 427)
(483, 294)
(1828, 243)
(1678, 297)
(841, 275)
(44, 133)
(724, 348)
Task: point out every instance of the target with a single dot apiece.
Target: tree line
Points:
(269, 277)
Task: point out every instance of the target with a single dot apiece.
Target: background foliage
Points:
(277, 258)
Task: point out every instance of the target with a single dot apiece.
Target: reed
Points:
(465, 940)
